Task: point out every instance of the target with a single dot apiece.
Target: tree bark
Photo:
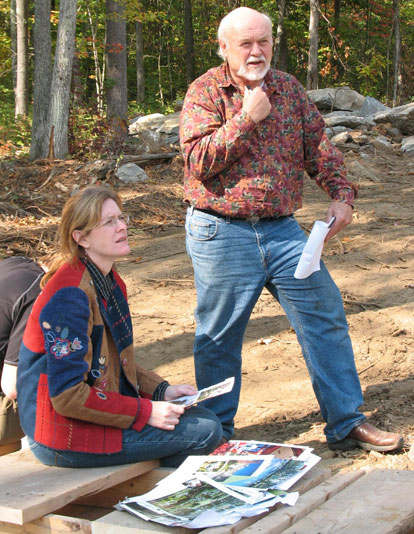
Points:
(21, 93)
(397, 54)
(280, 40)
(116, 56)
(312, 77)
(189, 42)
(13, 41)
(337, 15)
(99, 73)
(42, 80)
(61, 78)
(139, 50)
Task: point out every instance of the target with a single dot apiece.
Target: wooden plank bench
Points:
(35, 499)
(29, 490)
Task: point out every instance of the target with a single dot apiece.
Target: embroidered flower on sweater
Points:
(75, 345)
(63, 347)
(60, 348)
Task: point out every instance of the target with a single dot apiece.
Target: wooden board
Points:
(30, 490)
(130, 488)
(10, 447)
(125, 523)
(50, 524)
(282, 518)
(381, 502)
(314, 477)
(130, 524)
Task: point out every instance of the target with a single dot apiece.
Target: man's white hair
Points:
(230, 20)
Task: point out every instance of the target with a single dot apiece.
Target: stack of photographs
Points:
(239, 479)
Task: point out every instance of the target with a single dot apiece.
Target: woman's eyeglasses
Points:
(111, 222)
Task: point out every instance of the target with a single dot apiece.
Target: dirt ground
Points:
(372, 262)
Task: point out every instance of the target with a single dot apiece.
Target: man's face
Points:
(248, 50)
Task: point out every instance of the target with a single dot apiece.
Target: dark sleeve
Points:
(19, 288)
(16, 335)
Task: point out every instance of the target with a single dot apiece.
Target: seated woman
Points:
(83, 400)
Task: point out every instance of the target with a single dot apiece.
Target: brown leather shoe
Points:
(369, 438)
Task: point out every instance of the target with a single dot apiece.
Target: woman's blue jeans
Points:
(233, 261)
(198, 432)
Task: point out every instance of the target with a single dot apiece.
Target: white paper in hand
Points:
(311, 256)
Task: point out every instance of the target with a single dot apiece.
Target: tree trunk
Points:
(397, 54)
(337, 15)
(116, 55)
(13, 41)
(42, 80)
(61, 78)
(139, 49)
(312, 77)
(189, 42)
(367, 30)
(77, 87)
(99, 74)
(280, 36)
(160, 89)
(21, 93)
(283, 54)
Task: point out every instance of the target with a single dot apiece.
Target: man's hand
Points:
(343, 216)
(256, 104)
(173, 392)
(165, 415)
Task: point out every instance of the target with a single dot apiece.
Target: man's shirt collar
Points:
(271, 80)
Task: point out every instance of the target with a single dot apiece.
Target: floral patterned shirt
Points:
(241, 169)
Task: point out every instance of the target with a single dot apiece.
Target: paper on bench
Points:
(311, 255)
(209, 491)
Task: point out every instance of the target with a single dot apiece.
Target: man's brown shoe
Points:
(369, 438)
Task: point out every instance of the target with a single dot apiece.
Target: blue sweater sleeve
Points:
(64, 322)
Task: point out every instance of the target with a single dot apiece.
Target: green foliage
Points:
(150, 106)
(355, 50)
(88, 134)
(14, 134)
(371, 72)
(5, 57)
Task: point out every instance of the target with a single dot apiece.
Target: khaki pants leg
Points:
(10, 429)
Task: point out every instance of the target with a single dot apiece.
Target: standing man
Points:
(248, 135)
(19, 287)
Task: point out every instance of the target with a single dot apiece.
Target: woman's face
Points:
(108, 240)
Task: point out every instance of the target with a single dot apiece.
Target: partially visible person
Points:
(19, 287)
(84, 400)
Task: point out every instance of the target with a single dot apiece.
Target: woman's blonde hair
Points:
(81, 212)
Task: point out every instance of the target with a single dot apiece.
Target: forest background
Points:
(72, 73)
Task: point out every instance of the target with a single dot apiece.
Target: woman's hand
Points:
(165, 415)
(173, 392)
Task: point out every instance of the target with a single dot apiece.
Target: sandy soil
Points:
(372, 262)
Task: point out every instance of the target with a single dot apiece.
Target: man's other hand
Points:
(343, 216)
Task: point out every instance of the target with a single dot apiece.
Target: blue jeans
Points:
(198, 432)
(233, 261)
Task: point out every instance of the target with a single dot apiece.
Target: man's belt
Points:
(253, 218)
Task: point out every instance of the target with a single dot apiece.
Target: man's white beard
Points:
(256, 74)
